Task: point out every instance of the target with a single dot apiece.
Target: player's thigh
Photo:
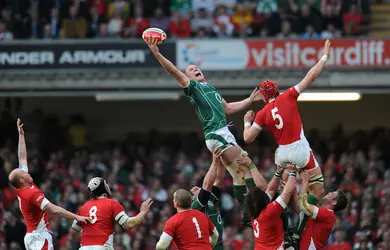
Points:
(42, 241)
(220, 139)
(96, 248)
(281, 157)
(231, 154)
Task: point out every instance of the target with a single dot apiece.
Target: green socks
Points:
(239, 193)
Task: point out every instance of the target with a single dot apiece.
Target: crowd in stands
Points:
(62, 19)
(62, 159)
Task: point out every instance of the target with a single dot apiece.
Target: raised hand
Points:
(249, 116)
(255, 96)
(19, 125)
(217, 155)
(83, 219)
(152, 43)
(327, 47)
(145, 207)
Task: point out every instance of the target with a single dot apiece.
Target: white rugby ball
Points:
(154, 33)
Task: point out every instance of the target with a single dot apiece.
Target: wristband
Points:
(324, 58)
(293, 173)
(251, 166)
(278, 175)
(247, 124)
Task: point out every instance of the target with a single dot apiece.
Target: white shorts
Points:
(298, 153)
(96, 248)
(221, 138)
(37, 241)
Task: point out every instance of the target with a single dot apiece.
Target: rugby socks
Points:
(239, 193)
(302, 218)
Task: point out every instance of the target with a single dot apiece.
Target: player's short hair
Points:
(183, 198)
(256, 201)
(342, 201)
(97, 187)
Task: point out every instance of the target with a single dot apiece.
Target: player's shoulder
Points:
(28, 192)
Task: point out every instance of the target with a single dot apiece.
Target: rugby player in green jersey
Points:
(211, 110)
(206, 199)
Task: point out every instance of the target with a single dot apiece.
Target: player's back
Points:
(281, 117)
(268, 228)
(31, 202)
(101, 229)
(190, 229)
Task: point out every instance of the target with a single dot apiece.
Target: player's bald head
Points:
(15, 177)
(182, 198)
(194, 73)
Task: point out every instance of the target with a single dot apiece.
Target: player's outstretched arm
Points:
(180, 77)
(22, 150)
(251, 129)
(234, 107)
(256, 175)
(274, 183)
(221, 170)
(303, 203)
(316, 70)
(56, 210)
(290, 187)
(211, 175)
(133, 222)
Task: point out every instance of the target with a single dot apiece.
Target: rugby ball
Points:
(154, 33)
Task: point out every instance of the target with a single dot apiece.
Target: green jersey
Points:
(212, 211)
(208, 105)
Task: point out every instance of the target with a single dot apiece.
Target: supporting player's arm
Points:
(180, 77)
(164, 241)
(315, 71)
(251, 128)
(22, 150)
(246, 162)
(56, 210)
(274, 183)
(129, 223)
(290, 187)
(234, 107)
(303, 203)
(214, 237)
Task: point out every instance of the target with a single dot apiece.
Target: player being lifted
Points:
(206, 199)
(211, 110)
(321, 222)
(281, 117)
(33, 204)
(103, 212)
(189, 229)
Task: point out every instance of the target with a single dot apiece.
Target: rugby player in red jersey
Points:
(33, 204)
(281, 117)
(265, 213)
(103, 212)
(322, 219)
(189, 229)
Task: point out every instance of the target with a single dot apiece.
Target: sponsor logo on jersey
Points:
(39, 198)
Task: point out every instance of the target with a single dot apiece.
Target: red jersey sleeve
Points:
(324, 215)
(38, 199)
(275, 208)
(294, 92)
(169, 227)
(259, 119)
(117, 208)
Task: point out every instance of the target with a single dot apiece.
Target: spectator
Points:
(34, 24)
(353, 21)
(138, 22)
(242, 19)
(310, 33)
(267, 7)
(4, 33)
(223, 26)
(331, 10)
(230, 4)
(182, 6)
(202, 21)
(339, 242)
(47, 32)
(330, 32)
(120, 5)
(55, 23)
(286, 31)
(114, 26)
(159, 20)
(101, 6)
(179, 26)
(208, 5)
(312, 3)
(75, 26)
(94, 22)
(307, 17)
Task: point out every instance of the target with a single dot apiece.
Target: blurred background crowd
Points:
(61, 19)
(62, 159)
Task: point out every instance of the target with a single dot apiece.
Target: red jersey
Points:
(103, 213)
(32, 202)
(318, 229)
(268, 227)
(190, 230)
(281, 117)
